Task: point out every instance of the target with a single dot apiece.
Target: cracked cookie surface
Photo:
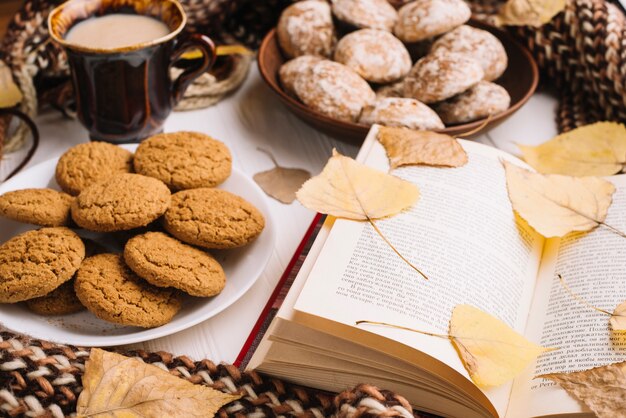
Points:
(123, 202)
(36, 262)
(45, 207)
(61, 301)
(184, 160)
(213, 218)
(86, 164)
(166, 262)
(113, 292)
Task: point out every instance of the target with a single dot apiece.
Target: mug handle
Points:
(207, 48)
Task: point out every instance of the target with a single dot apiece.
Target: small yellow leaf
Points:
(618, 318)
(282, 183)
(348, 189)
(411, 147)
(529, 12)
(555, 205)
(118, 386)
(598, 149)
(10, 94)
(602, 389)
(491, 351)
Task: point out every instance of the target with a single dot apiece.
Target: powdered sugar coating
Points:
(478, 43)
(395, 111)
(334, 90)
(292, 69)
(374, 54)
(374, 14)
(424, 19)
(482, 100)
(306, 28)
(437, 77)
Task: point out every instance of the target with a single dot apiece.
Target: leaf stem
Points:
(476, 129)
(385, 324)
(579, 298)
(613, 229)
(394, 248)
(269, 154)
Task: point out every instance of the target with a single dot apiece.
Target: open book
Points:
(464, 235)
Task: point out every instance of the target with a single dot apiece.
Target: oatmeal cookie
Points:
(334, 90)
(184, 160)
(36, 262)
(166, 262)
(482, 100)
(374, 14)
(410, 113)
(45, 207)
(111, 291)
(306, 28)
(61, 301)
(85, 164)
(438, 77)
(423, 19)
(125, 201)
(375, 55)
(213, 218)
(477, 43)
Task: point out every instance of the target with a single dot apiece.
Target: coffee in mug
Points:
(121, 71)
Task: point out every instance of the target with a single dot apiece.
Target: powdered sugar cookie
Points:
(480, 44)
(394, 111)
(334, 90)
(438, 77)
(482, 100)
(292, 69)
(375, 14)
(374, 54)
(306, 28)
(422, 19)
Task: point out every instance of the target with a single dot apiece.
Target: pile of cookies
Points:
(163, 197)
(419, 67)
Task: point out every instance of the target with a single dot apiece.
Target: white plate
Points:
(242, 266)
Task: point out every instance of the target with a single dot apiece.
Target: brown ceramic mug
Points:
(125, 94)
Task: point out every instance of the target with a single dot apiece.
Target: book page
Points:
(593, 265)
(462, 234)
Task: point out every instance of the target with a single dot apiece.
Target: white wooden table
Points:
(253, 118)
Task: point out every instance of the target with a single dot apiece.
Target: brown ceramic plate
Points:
(520, 80)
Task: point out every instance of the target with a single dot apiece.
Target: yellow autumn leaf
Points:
(555, 205)
(348, 189)
(602, 389)
(598, 149)
(10, 94)
(411, 147)
(491, 351)
(529, 12)
(618, 318)
(118, 386)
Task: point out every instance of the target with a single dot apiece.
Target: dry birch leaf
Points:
(411, 147)
(555, 205)
(602, 389)
(10, 94)
(491, 351)
(350, 190)
(281, 183)
(618, 318)
(118, 386)
(598, 149)
(529, 12)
